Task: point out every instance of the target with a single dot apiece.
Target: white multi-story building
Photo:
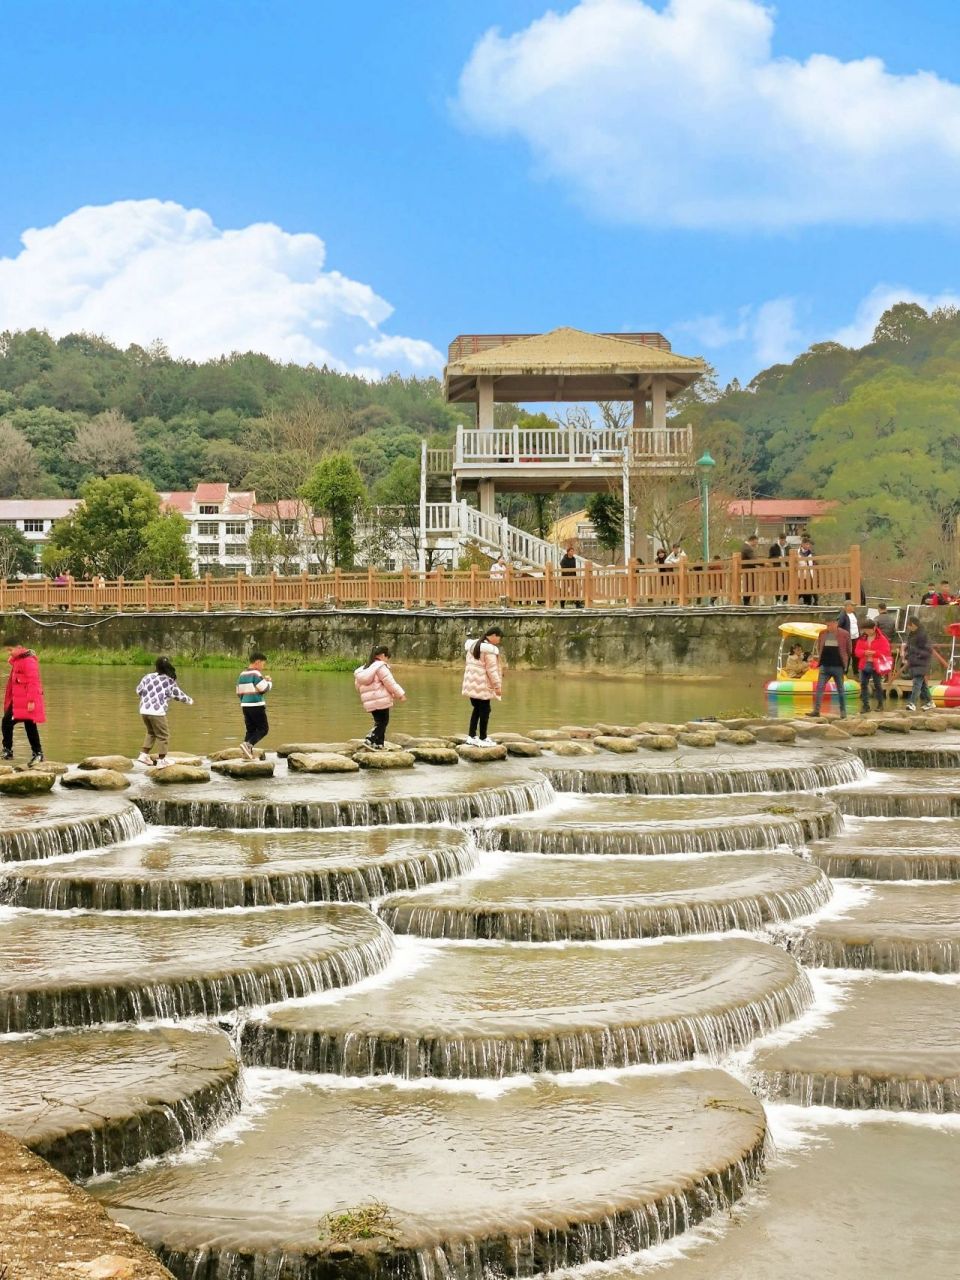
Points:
(35, 517)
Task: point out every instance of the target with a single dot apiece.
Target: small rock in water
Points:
(384, 759)
(95, 780)
(835, 734)
(185, 757)
(775, 733)
(736, 737)
(173, 773)
(244, 768)
(482, 755)
(655, 727)
(30, 782)
(859, 729)
(697, 738)
(927, 724)
(315, 749)
(735, 722)
(524, 748)
(233, 753)
(541, 735)
(620, 746)
(56, 767)
(573, 747)
(435, 755)
(321, 762)
(897, 725)
(610, 731)
(657, 742)
(120, 764)
(577, 732)
(426, 742)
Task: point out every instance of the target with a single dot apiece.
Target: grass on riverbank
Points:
(54, 655)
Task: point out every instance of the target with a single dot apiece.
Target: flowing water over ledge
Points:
(175, 869)
(545, 1174)
(907, 793)
(493, 1011)
(913, 756)
(94, 1102)
(892, 849)
(890, 1044)
(80, 970)
(898, 927)
(537, 898)
(632, 824)
(56, 824)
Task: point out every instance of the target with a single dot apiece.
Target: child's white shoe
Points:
(143, 758)
(162, 763)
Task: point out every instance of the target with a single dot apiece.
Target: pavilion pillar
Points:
(487, 497)
(659, 401)
(485, 403)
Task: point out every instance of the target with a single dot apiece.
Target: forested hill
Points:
(79, 406)
(876, 428)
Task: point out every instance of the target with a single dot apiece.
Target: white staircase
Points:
(493, 534)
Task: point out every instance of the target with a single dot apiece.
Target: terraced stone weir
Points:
(177, 870)
(56, 824)
(538, 898)
(94, 1102)
(483, 1010)
(892, 849)
(643, 825)
(544, 1175)
(898, 927)
(908, 793)
(715, 773)
(83, 969)
(893, 1043)
(367, 799)
(914, 755)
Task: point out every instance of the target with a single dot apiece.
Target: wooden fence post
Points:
(120, 594)
(239, 587)
(148, 579)
(793, 576)
(632, 570)
(46, 595)
(855, 576)
(304, 589)
(70, 595)
(736, 579)
(407, 593)
(176, 592)
(548, 585)
(473, 586)
(508, 584)
(336, 588)
(206, 592)
(371, 587)
(682, 582)
(588, 585)
(273, 591)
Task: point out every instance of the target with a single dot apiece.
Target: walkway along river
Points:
(671, 997)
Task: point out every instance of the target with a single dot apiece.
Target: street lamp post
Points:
(705, 465)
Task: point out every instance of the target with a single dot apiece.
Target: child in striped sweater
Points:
(253, 684)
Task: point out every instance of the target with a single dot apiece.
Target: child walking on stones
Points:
(252, 685)
(378, 692)
(156, 690)
(482, 681)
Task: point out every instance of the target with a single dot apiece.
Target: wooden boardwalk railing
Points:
(724, 582)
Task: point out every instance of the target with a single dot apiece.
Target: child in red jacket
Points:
(874, 661)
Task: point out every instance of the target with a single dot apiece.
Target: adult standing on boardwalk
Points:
(568, 569)
(378, 692)
(23, 701)
(252, 687)
(482, 682)
(833, 653)
(748, 552)
(917, 652)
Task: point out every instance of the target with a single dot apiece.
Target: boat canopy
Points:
(953, 629)
(805, 630)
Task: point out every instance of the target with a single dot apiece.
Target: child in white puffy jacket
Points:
(378, 692)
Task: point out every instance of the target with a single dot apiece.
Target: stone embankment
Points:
(644, 897)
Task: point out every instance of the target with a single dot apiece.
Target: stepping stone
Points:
(698, 738)
(315, 748)
(184, 870)
(172, 775)
(657, 742)
(577, 731)
(94, 1102)
(736, 737)
(85, 969)
(321, 762)
(611, 742)
(536, 898)
(244, 768)
(779, 733)
(893, 1043)
(547, 1174)
(481, 755)
(384, 759)
(575, 747)
(64, 824)
(233, 753)
(862, 1200)
(524, 749)
(895, 927)
(752, 771)
(29, 783)
(892, 849)
(119, 764)
(435, 755)
(363, 799)
(95, 780)
(494, 1011)
(667, 825)
(543, 735)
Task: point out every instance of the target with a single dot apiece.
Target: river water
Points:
(92, 710)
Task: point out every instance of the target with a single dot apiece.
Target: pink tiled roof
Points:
(781, 508)
(212, 492)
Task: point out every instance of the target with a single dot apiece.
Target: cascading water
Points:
(55, 837)
(710, 781)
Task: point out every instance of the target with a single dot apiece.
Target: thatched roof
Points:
(587, 365)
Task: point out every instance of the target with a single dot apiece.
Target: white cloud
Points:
(883, 296)
(769, 332)
(685, 117)
(137, 270)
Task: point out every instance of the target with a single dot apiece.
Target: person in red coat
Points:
(874, 661)
(23, 701)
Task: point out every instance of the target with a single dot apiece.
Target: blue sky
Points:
(736, 177)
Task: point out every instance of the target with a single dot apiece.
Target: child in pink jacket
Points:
(378, 692)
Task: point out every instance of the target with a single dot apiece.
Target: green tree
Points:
(119, 529)
(606, 515)
(106, 446)
(335, 492)
(20, 470)
(16, 554)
